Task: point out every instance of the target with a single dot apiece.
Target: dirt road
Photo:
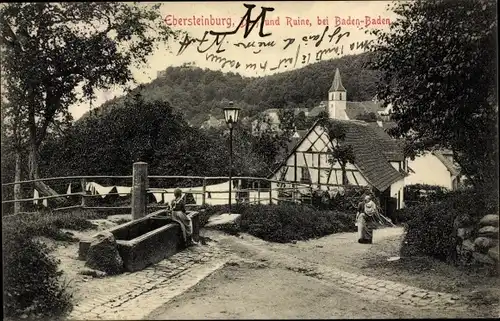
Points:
(311, 279)
(248, 293)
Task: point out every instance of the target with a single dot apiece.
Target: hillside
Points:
(197, 93)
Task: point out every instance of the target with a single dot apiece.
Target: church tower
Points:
(337, 99)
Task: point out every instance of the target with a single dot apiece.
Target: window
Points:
(340, 96)
(306, 176)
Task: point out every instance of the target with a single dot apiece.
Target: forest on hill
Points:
(198, 93)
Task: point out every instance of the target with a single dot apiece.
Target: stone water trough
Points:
(147, 240)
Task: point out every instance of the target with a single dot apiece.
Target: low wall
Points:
(478, 242)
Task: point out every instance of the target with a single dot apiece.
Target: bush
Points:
(403, 215)
(422, 193)
(286, 222)
(31, 278)
(430, 227)
(292, 222)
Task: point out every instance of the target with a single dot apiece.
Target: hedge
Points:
(430, 227)
(32, 285)
(32, 282)
(285, 223)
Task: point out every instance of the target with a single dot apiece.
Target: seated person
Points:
(179, 215)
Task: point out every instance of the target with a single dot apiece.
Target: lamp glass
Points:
(231, 114)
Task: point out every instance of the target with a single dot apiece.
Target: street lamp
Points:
(231, 116)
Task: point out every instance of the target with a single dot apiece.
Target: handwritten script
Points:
(303, 50)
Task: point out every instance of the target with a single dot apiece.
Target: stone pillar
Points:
(139, 189)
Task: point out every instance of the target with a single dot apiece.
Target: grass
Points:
(49, 224)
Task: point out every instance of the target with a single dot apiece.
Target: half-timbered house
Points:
(379, 161)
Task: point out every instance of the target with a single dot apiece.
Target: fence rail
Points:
(64, 178)
(253, 193)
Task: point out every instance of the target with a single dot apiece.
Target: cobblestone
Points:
(110, 294)
(368, 287)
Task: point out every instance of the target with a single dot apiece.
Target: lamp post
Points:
(231, 117)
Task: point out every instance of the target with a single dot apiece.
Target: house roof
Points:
(297, 111)
(316, 110)
(388, 125)
(355, 108)
(369, 156)
(454, 170)
(337, 82)
(393, 149)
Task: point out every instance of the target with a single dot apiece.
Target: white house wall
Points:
(428, 169)
(397, 191)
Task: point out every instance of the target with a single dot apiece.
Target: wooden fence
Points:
(264, 190)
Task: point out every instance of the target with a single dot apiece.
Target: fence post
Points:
(204, 190)
(84, 192)
(258, 192)
(270, 193)
(139, 190)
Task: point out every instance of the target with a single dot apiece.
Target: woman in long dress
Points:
(366, 220)
(179, 215)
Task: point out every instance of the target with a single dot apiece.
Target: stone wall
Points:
(478, 242)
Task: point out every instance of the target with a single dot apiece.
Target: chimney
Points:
(380, 123)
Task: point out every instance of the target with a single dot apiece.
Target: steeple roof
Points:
(337, 82)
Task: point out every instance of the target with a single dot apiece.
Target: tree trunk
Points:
(17, 187)
(43, 189)
(344, 175)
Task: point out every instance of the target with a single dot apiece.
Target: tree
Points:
(140, 131)
(50, 49)
(439, 64)
(339, 152)
(287, 118)
(13, 143)
(301, 120)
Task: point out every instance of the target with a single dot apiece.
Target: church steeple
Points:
(337, 98)
(337, 82)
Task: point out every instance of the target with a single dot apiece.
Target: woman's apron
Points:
(184, 222)
(365, 227)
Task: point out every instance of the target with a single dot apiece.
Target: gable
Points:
(369, 156)
(454, 170)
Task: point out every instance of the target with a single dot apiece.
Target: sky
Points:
(298, 33)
